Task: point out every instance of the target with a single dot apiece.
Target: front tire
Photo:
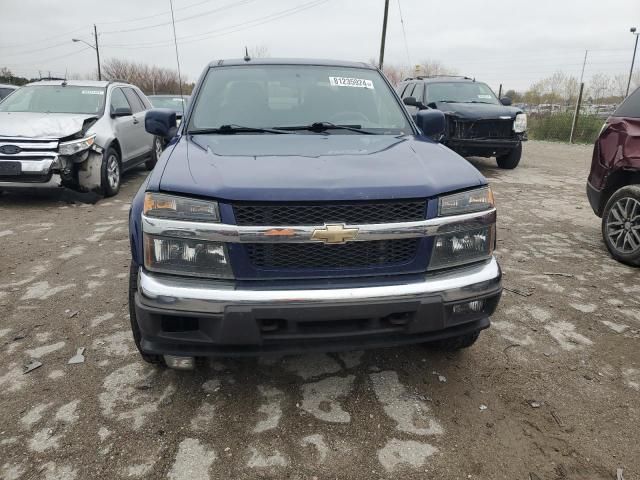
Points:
(621, 225)
(111, 172)
(156, 151)
(510, 160)
(135, 329)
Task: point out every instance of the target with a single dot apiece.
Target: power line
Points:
(75, 52)
(163, 24)
(18, 45)
(147, 17)
(404, 34)
(225, 30)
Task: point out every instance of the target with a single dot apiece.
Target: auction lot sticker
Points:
(350, 82)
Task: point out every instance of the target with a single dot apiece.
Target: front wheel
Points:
(621, 225)
(155, 153)
(111, 173)
(510, 160)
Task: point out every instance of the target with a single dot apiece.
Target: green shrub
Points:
(557, 127)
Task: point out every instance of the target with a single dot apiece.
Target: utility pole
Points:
(583, 65)
(633, 59)
(384, 33)
(95, 34)
(574, 124)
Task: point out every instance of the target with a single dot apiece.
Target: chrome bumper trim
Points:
(33, 167)
(208, 296)
(221, 232)
(54, 182)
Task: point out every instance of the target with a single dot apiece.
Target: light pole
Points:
(636, 34)
(95, 47)
(384, 33)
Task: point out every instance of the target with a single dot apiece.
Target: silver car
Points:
(79, 134)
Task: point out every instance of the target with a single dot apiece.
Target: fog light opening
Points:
(180, 363)
(474, 306)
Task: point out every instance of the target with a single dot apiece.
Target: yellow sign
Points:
(334, 234)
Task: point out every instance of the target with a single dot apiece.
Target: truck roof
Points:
(78, 83)
(290, 61)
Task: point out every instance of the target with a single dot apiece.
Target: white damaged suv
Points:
(80, 134)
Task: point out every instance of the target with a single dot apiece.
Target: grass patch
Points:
(557, 127)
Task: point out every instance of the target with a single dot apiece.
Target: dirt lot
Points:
(551, 391)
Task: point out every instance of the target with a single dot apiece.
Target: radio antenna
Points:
(175, 42)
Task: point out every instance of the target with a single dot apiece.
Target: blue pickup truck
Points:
(299, 207)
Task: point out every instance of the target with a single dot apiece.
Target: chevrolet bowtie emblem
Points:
(334, 234)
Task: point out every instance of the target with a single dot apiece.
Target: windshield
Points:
(55, 99)
(176, 103)
(462, 92)
(276, 96)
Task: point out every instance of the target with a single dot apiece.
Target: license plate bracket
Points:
(10, 168)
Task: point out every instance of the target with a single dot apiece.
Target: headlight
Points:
(462, 247)
(182, 256)
(470, 201)
(75, 146)
(520, 123)
(159, 205)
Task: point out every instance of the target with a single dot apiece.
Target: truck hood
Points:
(300, 167)
(41, 125)
(477, 111)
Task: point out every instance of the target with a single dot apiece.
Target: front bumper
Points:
(194, 317)
(595, 199)
(33, 174)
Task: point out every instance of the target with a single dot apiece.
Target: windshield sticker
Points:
(92, 92)
(350, 82)
(483, 95)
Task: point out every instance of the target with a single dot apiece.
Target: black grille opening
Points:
(179, 324)
(482, 129)
(318, 255)
(319, 214)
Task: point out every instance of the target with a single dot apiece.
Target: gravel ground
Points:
(551, 391)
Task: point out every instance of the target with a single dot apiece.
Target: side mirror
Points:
(431, 122)
(161, 122)
(412, 102)
(121, 112)
(506, 101)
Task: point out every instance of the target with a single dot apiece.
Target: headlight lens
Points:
(462, 247)
(520, 123)
(182, 256)
(159, 205)
(75, 146)
(470, 201)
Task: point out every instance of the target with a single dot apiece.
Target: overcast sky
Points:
(498, 41)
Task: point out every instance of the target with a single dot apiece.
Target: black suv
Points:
(478, 123)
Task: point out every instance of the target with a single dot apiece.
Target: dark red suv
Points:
(613, 186)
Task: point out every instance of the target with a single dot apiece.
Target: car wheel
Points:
(155, 154)
(621, 225)
(511, 159)
(455, 343)
(111, 172)
(135, 329)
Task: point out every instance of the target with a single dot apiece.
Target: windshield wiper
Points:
(478, 101)
(324, 126)
(228, 129)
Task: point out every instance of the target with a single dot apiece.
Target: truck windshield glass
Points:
(279, 96)
(461, 92)
(55, 99)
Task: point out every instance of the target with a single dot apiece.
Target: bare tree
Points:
(570, 89)
(432, 68)
(599, 86)
(619, 84)
(149, 78)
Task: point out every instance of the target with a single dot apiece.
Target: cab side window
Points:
(118, 100)
(418, 92)
(134, 100)
(408, 91)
